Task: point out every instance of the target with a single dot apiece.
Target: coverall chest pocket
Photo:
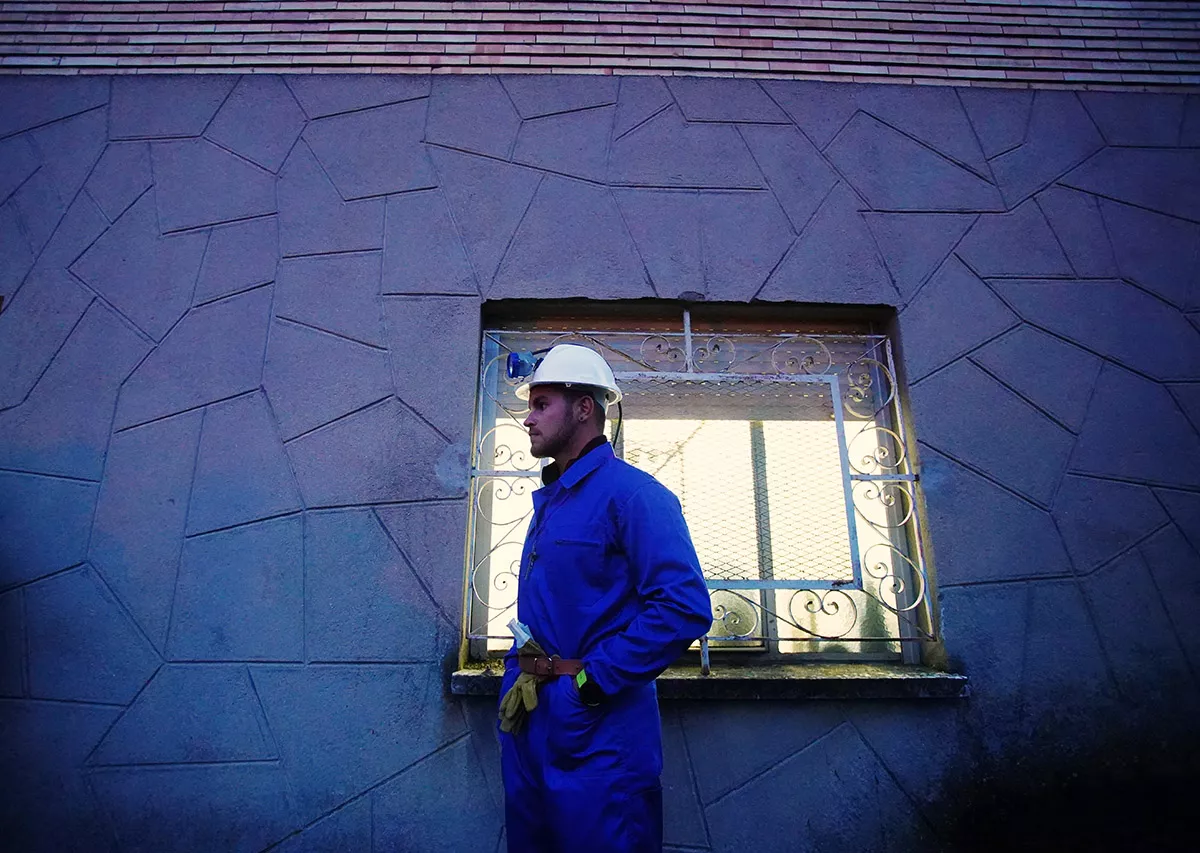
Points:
(575, 567)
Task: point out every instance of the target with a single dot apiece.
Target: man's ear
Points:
(588, 408)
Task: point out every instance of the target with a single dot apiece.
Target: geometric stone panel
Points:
(970, 417)
(16, 257)
(915, 244)
(240, 595)
(386, 155)
(189, 713)
(683, 818)
(744, 235)
(1184, 508)
(422, 250)
(666, 225)
(640, 98)
(198, 183)
(147, 106)
(1189, 133)
(1167, 181)
(347, 828)
(471, 113)
(336, 293)
(33, 327)
(63, 427)
(341, 729)
(242, 473)
(574, 144)
(1099, 519)
(953, 314)
(572, 242)
(140, 517)
(409, 811)
(429, 536)
(70, 149)
(214, 353)
(12, 644)
(1048, 372)
(82, 646)
(1134, 431)
(1016, 243)
(44, 524)
(820, 110)
(18, 160)
(441, 332)
(893, 172)
(312, 216)
(707, 99)
(363, 601)
(239, 256)
(39, 208)
(667, 151)
(817, 799)
(379, 454)
(260, 121)
(122, 175)
(1064, 670)
(1159, 252)
(972, 522)
(27, 102)
(313, 378)
(237, 808)
(1076, 221)
(743, 740)
(932, 114)
(488, 199)
(147, 278)
(48, 804)
(1060, 135)
(543, 95)
(327, 94)
(833, 260)
(1142, 647)
(795, 170)
(77, 230)
(1084, 312)
(998, 116)
(1127, 118)
(1175, 566)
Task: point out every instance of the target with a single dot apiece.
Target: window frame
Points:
(710, 321)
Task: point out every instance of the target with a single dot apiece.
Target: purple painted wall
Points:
(232, 512)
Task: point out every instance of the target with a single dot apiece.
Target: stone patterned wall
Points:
(239, 333)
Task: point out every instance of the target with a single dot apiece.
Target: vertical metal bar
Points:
(762, 508)
(847, 485)
(762, 526)
(687, 339)
(705, 664)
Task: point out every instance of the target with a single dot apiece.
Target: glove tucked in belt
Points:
(536, 669)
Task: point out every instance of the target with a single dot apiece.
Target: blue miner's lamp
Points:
(522, 364)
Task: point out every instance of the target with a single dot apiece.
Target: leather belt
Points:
(549, 667)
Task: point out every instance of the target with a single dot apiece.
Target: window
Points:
(786, 446)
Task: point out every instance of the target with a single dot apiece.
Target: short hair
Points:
(578, 392)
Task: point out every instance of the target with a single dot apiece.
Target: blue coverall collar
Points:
(594, 455)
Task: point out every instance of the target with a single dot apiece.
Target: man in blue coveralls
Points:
(611, 589)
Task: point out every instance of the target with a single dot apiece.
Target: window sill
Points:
(779, 681)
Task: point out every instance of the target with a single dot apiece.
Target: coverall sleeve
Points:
(674, 607)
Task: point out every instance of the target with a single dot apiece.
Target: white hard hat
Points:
(571, 364)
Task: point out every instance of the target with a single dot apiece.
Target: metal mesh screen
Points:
(757, 466)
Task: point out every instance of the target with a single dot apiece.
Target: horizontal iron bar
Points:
(798, 584)
(725, 377)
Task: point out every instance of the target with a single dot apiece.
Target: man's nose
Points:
(528, 421)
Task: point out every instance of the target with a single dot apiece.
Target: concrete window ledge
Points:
(780, 681)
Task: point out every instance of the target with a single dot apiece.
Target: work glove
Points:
(521, 698)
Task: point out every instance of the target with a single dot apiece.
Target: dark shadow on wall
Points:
(1119, 794)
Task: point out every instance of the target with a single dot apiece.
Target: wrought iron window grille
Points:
(790, 456)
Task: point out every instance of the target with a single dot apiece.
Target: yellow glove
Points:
(522, 697)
